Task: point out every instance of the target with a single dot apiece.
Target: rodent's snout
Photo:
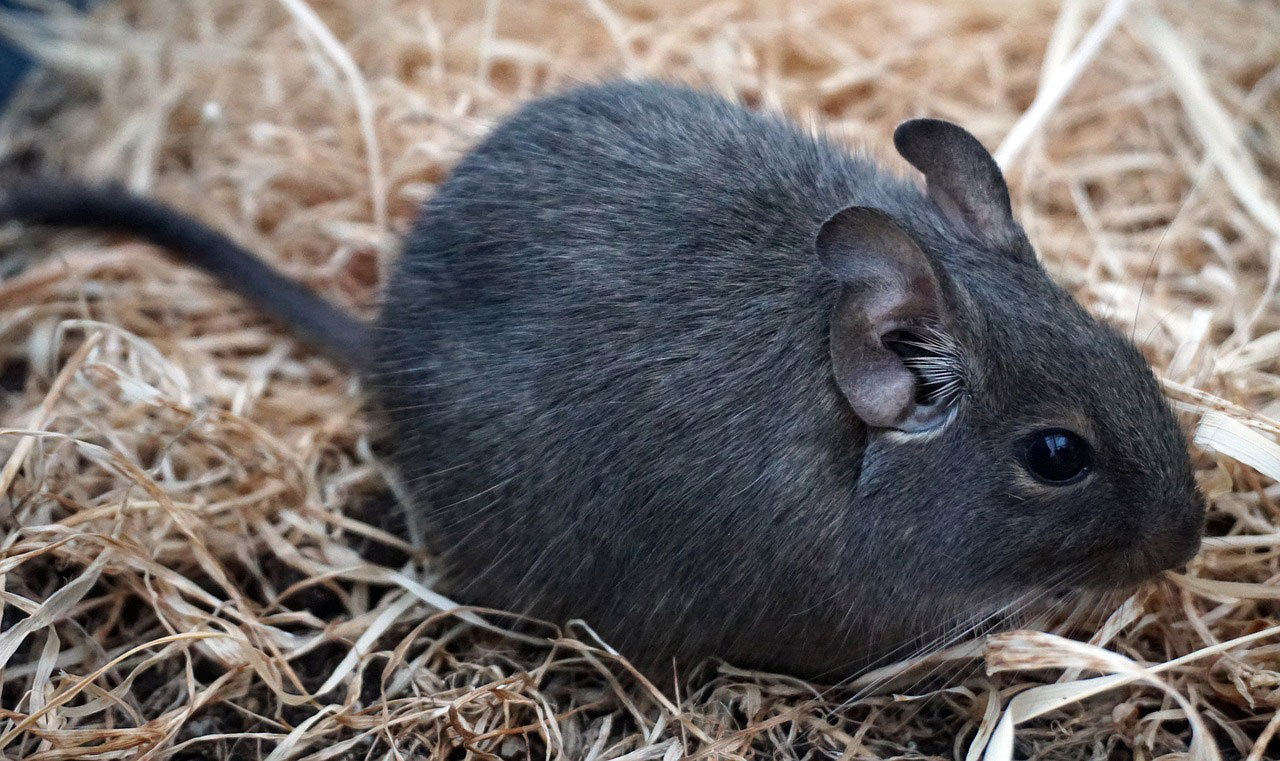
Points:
(1175, 545)
(1181, 551)
(1192, 534)
(1168, 544)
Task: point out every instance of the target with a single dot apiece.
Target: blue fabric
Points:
(14, 63)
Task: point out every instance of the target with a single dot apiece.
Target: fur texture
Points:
(604, 361)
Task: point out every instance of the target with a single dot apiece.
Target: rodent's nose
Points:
(1190, 549)
(1176, 548)
(1176, 530)
(1162, 544)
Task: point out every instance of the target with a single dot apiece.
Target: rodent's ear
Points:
(889, 284)
(963, 180)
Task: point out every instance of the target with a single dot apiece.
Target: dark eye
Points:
(1057, 456)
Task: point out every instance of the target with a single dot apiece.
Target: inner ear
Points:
(963, 180)
(888, 285)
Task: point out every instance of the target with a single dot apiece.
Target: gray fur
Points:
(604, 356)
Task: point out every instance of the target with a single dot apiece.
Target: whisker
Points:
(978, 627)
(1201, 175)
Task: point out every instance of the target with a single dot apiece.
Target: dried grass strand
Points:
(184, 468)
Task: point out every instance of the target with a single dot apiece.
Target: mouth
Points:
(1176, 550)
(1191, 549)
(1145, 560)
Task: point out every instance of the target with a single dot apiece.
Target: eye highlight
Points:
(1056, 456)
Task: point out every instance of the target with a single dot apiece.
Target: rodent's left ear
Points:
(888, 284)
(963, 180)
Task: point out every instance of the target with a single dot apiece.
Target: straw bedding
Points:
(195, 562)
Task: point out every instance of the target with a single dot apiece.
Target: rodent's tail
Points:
(68, 204)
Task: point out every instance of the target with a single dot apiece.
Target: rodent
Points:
(721, 388)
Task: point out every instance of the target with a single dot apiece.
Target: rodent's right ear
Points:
(963, 181)
(888, 285)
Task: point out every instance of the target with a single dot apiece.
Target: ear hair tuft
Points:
(938, 362)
